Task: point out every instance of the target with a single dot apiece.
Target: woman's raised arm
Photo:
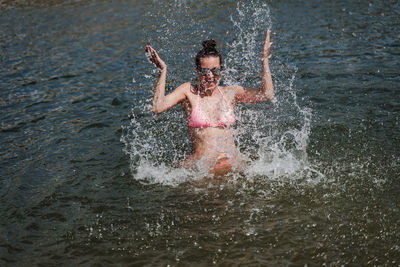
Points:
(266, 92)
(161, 102)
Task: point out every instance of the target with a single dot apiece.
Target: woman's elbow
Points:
(265, 97)
(156, 110)
(271, 96)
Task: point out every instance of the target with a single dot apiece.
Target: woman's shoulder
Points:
(232, 89)
(185, 88)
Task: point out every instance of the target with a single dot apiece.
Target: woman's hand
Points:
(267, 46)
(153, 57)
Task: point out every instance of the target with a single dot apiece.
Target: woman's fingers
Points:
(267, 44)
(152, 54)
(154, 58)
(267, 38)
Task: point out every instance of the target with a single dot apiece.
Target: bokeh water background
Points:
(87, 171)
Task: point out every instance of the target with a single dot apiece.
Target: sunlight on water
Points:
(273, 136)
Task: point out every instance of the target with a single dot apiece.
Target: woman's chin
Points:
(210, 85)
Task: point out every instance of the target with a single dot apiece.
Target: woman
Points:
(209, 107)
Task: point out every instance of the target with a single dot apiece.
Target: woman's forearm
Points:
(159, 92)
(267, 88)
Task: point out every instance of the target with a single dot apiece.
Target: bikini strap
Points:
(197, 91)
(223, 96)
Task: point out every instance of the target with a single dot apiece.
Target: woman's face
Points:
(209, 72)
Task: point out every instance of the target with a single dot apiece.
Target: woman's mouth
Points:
(209, 83)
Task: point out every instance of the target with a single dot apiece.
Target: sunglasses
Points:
(206, 71)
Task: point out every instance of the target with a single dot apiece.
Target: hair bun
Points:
(209, 44)
(209, 50)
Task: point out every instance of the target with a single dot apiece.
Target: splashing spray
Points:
(273, 136)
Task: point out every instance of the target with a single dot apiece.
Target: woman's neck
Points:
(205, 92)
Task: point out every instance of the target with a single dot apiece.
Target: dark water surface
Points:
(87, 174)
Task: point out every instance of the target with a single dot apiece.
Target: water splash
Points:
(279, 131)
(250, 23)
(274, 136)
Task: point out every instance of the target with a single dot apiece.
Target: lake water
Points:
(87, 171)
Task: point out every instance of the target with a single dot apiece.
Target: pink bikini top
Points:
(199, 119)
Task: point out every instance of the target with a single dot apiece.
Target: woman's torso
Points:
(210, 123)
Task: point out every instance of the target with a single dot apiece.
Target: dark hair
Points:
(209, 50)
